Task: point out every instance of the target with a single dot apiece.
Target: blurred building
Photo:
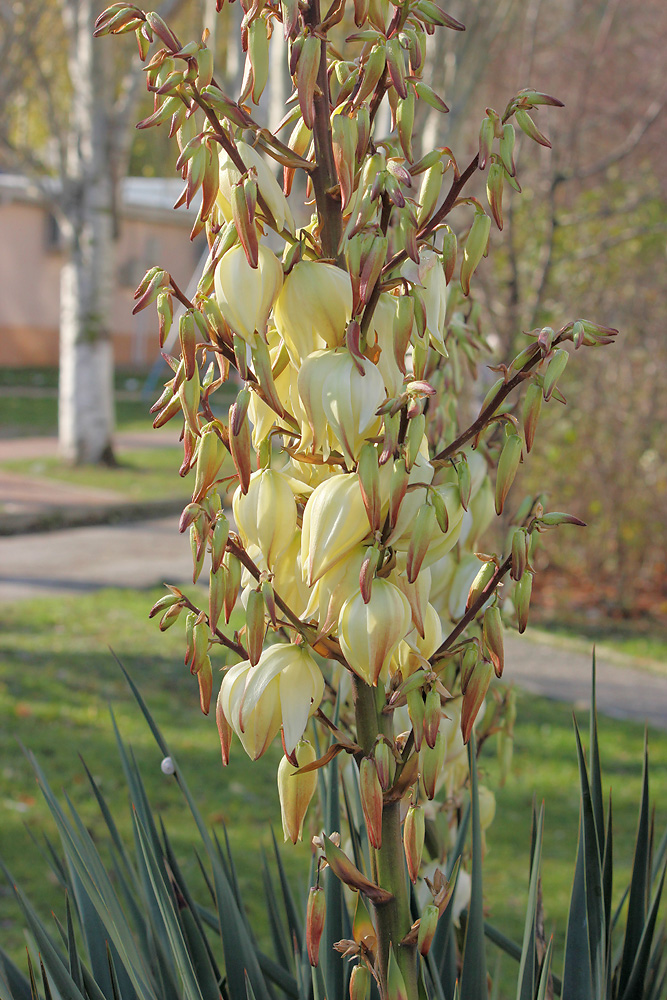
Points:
(31, 254)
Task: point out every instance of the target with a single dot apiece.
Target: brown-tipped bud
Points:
(360, 980)
(367, 572)
(405, 121)
(225, 731)
(210, 456)
(189, 394)
(315, 914)
(306, 77)
(441, 512)
(420, 357)
(163, 604)
(469, 661)
(449, 253)
(363, 119)
(432, 716)
(392, 428)
(494, 192)
(216, 596)
(415, 700)
(396, 66)
(527, 125)
(427, 927)
(519, 553)
(555, 369)
(170, 617)
(413, 439)
(219, 536)
(522, 593)
(269, 601)
(508, 464)
(165, 315)
(239, 444)
(372, 262)
(486, 137)
(478, 685)
(344, 143)
(507, 149)
(385, 764)
(479, 584)
(493, 639)
(403, 324)
(532, 405)
(255, 628)
(372, 72)
(198, 550)
(205, 679)
(465, 482)
(232, 582)
(197, 642)
(475, 248)
(189, 514)
(371, 800)
(152, 283)
(397, 490)
(429, 191)
(369, 483)
(262, 365)
(432, 763)
(420, 539)
(243, 214)
(413, 840)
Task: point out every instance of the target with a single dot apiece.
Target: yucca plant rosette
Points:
(360, 498)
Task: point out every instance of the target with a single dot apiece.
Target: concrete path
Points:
(141, 554)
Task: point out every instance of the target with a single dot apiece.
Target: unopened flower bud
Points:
(493, 638)
(427, 927)
(521, 597)
(371, 800)
(508, 464)
(296, 791)
(385, 764)
(255, 628)
(315, 914)
(360, 983)
(432, 716)
(478, 685)
(413, 840)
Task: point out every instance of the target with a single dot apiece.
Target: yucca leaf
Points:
(637, 901)
(443, 957)
(72, 951)
(595, 771)
(13, 984)
(280, 943)
(205, 974)
(597, 935)
(110, 823)
(607, 886)
(163, 898)
(473, 969)
(544, 974)
(333, 970)
(48, 995)
(182, 888)
(115, 988)
(293, 919)
(527, 973)
(357, 830)
(635, 984)
(56, 962)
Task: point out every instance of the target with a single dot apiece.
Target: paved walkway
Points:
(151, 551)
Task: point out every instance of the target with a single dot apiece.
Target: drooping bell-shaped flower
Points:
(370, 633)
(334, 521)
(313, 308)
(296, 790)
(300, 689)
(246, 294)
(266, 514)
(258, 728)
(336, 395)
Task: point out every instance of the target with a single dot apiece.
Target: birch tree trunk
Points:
(85, 397)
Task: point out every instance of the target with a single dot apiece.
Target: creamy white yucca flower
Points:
(246, 294)
(334, 521)
(313, 308)
(266, 514)
(284, 689)
(369, 633)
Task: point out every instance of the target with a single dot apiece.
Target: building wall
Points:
(30, 261)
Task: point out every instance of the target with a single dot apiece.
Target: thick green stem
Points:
(393, 920)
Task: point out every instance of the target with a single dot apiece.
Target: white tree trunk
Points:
(85, 404)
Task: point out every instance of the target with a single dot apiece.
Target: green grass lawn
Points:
(57, 680)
